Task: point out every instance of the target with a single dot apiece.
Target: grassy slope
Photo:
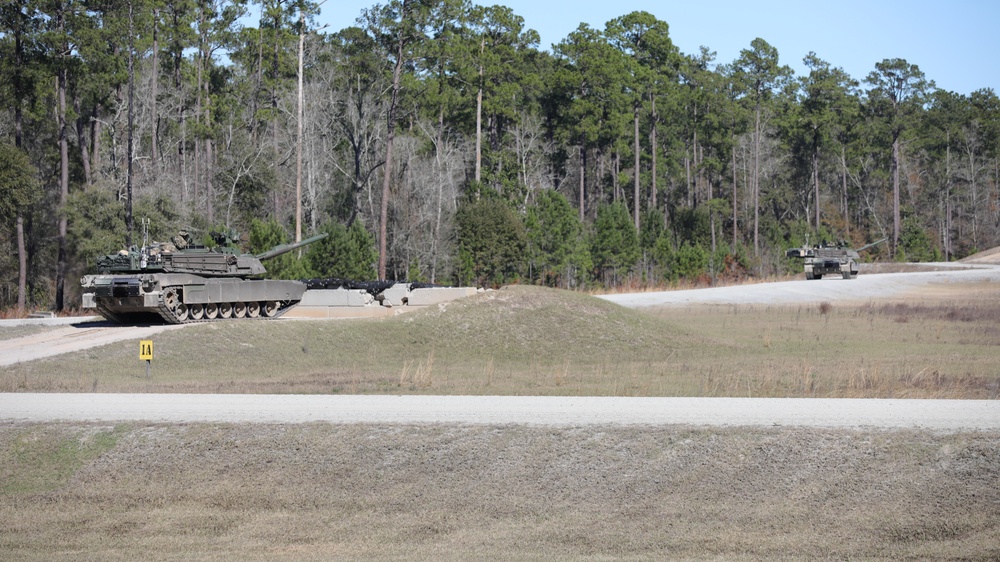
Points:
(530, 340)
(516, 340)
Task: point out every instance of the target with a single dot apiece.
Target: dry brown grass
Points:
(894, 350)
(321, 492)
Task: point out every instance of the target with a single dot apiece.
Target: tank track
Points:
(104, 311)
(171, 317)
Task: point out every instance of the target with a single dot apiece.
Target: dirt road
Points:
(76, 337)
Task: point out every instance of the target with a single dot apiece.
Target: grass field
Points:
(322, 492)
(529, 340)
(451, 492)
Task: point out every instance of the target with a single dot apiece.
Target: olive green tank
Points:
(182, 282)
(824, 259)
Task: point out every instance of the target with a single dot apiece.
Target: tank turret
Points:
(221, 260)
(182, 281)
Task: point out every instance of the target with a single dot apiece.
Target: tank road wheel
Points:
(270, 308)
(239, 310)
(847, 275)
(225, 310)
(253, 309)
(211, 311)
(171, 297)
(196, 311)
(172, 300)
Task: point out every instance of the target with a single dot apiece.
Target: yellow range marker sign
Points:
(145, 350)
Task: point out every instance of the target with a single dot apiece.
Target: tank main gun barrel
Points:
(285, 248)
(866, 246)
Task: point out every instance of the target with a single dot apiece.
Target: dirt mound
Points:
(986, 256)
(537, 320)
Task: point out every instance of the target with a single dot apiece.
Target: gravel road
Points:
(864, 288)
(936, 415)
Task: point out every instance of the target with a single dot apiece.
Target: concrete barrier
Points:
(336, 297)
(358, 303)
(397, 295)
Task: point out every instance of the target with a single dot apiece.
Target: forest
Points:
(436, 141)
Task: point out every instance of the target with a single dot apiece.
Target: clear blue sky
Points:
(955, 43)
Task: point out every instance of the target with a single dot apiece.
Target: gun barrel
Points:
(285, 248)
(866, 246)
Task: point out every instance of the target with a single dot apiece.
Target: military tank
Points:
(823, 259)
(181, 281)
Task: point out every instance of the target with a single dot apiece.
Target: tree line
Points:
(436, 141)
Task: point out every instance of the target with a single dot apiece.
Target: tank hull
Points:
(842, 263)
(182, 297)
(824, 260)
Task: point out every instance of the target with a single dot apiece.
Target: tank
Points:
(824, 259)
(180, 282)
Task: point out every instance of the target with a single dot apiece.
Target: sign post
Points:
(146, 353)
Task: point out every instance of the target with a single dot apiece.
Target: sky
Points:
(956, 43)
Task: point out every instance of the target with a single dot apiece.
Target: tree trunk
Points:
(696, 171)
(209, 185)
(207, 166)
(843, 179)
(735, 223)
(635, 191)
(129, 224)
(895, 195)
(22, 256)
(81, 140)
(479, 121)
(687, 178)
(652, 150)
(181, 123)
(63, 189)
(383, 229)
(154, 82)
(196, 177)
(815, 174)
(440, 194)
(276, 26)
(96, 132)
(756, 185)
(616, 165)
(583, 165)
(22, 261)
(22, 266)
(298, 144)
